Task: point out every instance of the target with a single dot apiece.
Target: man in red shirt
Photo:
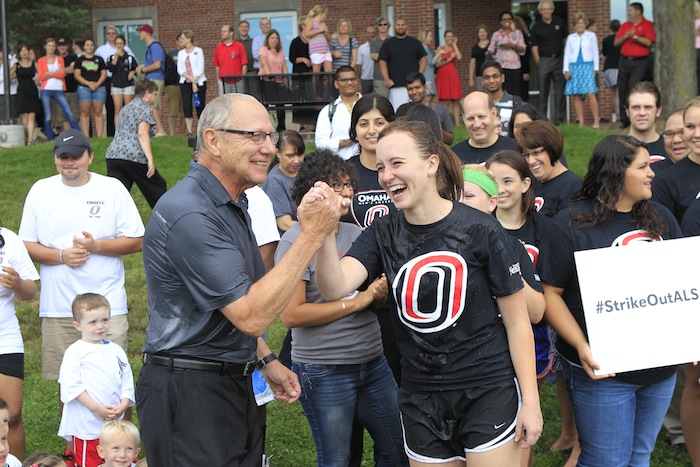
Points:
(635, 37)
(230, 59)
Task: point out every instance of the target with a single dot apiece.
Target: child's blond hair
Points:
(88, 302)
(317, 10)
(117, 428)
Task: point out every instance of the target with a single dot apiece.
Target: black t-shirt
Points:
(657, 149)
(90, 68)
(370, 201)
(471, 155)
(549, 38)
(532, 234)
(120, 72)
(299, 49)
(691, 220)
(554, 195)
(443, 278)
(557, 267)
(71, 83)
(611, 53)
(480, 55)
(677, 186)
(661, 164)
(402, 57)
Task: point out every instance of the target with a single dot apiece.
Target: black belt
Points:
(180, 363)
(550, 56)
(635, 58)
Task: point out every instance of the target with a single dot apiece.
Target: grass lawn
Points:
(288, 439)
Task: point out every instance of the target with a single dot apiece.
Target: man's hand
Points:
(75, 256)
(320, 209)
(283, 380)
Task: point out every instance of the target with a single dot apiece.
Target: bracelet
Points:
(344, 308)
(263, 362)
(60, 257)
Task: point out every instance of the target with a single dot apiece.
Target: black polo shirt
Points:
(199, 254)
(549, 37)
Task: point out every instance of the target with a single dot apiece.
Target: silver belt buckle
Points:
(249, 368)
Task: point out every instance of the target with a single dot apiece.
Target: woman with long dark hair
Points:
(52, 72)
(618, 417)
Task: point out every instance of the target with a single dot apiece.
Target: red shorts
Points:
(86, 452)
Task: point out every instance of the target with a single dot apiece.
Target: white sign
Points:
(642, 304)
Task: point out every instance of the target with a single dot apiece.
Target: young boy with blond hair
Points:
(97, 385)
(119, 444)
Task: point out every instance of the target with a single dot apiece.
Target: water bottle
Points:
(197, 102)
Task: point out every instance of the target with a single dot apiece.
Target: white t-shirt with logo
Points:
(54, 213)
(13, 254)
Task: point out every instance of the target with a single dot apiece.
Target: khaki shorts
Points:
(161, 84)
(173, 105)
(58, 334)
(74, 107)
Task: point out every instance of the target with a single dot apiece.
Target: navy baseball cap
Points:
(72, 142)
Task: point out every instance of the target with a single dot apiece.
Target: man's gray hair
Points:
(217, 114)
(551, 3)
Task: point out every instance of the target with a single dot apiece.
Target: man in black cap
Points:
(77, 225)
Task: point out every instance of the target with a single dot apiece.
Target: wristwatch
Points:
(263, 362)
(635, 37)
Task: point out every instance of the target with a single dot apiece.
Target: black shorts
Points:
(12, 364)
(443, 426)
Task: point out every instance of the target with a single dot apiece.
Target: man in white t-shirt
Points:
(333, 122)
(77, 225)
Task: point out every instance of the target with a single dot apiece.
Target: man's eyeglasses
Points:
(255, 136)
(673, 134)
(490, 77)
(347, 80)
(534, 153)
(339, 186)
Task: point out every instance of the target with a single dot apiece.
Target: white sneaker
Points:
(614, 117)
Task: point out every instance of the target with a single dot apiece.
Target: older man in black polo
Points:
(208, 300)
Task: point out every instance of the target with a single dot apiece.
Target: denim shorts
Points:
(85, 94)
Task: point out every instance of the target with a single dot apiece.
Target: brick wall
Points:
(463, 16)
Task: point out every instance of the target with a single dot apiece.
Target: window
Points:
(285, 22)
(128, 29)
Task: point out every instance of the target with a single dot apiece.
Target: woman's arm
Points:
(457, 54)
(145, 143)
(562, 321)
(353, 58)
(472, 72)
(335, 278)
(264, 65)
(101, 80)
(521, 346)
(285, 222)
(198, 65)
(299, 313)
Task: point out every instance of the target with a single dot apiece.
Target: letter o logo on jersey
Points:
(431, 291)
(635, 236)
(374, 213)
(94, 209)
(533, 252)
(539, 202)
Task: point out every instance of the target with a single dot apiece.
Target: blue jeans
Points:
(60, 98)
(617, 422)
(332, 395)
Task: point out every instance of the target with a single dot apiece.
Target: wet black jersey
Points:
(442, 279)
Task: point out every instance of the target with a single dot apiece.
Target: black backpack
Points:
(171, 76)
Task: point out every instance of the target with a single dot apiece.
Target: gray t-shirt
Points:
(374, 47)
(444, 116)
(278, 187)
(353, 339)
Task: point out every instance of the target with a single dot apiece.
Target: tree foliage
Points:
(32, 21)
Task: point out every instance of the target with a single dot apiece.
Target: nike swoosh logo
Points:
(66, 139)
(496, 427)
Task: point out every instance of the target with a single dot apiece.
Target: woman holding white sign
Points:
(618, 417)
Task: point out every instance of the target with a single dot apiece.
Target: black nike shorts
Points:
(443, 426)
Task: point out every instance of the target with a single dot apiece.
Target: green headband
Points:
(481, 180)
